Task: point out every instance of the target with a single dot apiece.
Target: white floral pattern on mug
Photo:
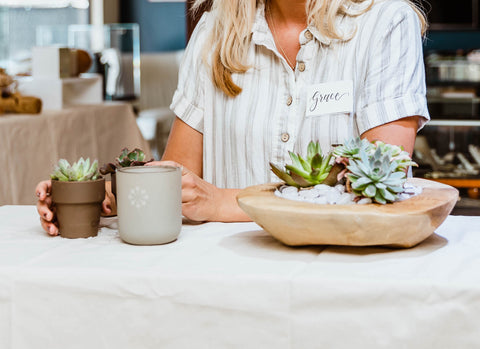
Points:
(138, 197)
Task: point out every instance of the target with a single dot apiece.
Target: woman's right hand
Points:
(45, 207)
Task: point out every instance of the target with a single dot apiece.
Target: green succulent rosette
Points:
(80, 171)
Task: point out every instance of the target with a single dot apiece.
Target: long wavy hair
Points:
(231, 35)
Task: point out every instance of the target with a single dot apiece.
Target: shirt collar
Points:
(261, 34)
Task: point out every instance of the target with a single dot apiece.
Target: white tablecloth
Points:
(30, 145)
(233, 286)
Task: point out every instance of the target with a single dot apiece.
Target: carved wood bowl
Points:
(400, 224)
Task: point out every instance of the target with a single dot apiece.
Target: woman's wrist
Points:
(227, 209)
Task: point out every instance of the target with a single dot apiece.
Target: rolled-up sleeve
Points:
(394, 85)
(188, 99)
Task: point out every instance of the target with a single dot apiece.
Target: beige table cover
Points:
(231, 285)
(30, 145)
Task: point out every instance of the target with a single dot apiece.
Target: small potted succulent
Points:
(126, 158)
(361, 171)
(77, 194)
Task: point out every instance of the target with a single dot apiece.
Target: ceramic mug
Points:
(149, 204)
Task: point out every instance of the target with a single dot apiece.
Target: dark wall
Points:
(162, 25)
(453, 40)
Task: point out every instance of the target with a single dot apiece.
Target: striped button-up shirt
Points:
(241, 135)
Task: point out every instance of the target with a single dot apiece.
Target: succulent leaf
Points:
(312, 170)
(375, 176)
(299, 171)
(126, 158)
(300, 180)
(282, 175)
(79, 171)
(351, 148)
(332, 176)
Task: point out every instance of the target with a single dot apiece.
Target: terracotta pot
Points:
(78, 207)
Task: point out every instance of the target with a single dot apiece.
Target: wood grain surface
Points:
(401, 224)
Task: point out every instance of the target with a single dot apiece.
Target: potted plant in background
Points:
(127, 158)
(77, 193)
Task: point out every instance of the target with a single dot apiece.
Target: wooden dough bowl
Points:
(401, 224)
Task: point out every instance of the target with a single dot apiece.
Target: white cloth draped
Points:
(231, 285)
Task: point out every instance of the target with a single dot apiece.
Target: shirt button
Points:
(285, 137)
(308, 35)
(301, 66)
(289, 100)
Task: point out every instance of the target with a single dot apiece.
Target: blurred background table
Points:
(232, 285)
(31, 144)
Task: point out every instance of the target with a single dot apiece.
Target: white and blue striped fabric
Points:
(242, 135)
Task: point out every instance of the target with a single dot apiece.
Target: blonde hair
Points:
(229, 42)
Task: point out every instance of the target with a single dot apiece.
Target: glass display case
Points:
(448, 148)
(115, 49)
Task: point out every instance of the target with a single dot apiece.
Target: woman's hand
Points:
(46, 208)
(202, 201)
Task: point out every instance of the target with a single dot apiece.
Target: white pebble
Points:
(346, 199)
(322, 187)
(403, 196)
(322, 200)
(333, 196)
(340, 188)
(309, 194)
(324, 194)
(286, 190)
(364, 201)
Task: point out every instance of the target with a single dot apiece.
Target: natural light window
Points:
(28, 23)
(80, 4)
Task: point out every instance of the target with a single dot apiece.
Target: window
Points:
(26, 23)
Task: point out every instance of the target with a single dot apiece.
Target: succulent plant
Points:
(376, 176)
(126, 158)
(80, 171)
(306, 172)
(397, 154)
(374, 170)
(351, 148)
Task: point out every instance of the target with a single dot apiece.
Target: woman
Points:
(254, 74)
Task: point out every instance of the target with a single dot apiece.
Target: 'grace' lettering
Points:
(329, 98)
(325, 98)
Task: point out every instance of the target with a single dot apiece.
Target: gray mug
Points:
(149, 204)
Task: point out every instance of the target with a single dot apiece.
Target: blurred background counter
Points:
(31, 144)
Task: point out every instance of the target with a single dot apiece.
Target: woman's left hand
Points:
(202, 201)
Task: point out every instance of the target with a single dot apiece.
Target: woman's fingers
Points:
(107, 206)
(43, 190)
(44, 209)
(188, 195)
(197, 203)
(49, 227)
